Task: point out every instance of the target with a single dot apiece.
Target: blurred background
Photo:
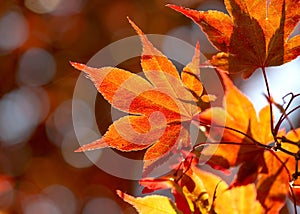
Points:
(39, 171)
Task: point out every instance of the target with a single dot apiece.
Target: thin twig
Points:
(270, 104)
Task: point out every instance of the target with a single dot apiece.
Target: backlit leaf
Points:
(268, 169)
(158, 120)
(239, 200)
(216, 25)
(197, 191)
(254, 35)
(153, 204)
(238, 113)
(190, 74)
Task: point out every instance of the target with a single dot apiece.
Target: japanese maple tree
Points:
(162, 106)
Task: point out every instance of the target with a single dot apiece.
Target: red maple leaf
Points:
(255, 34)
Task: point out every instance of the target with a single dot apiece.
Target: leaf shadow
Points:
(264, 189)
(247, 42)
(276, 44)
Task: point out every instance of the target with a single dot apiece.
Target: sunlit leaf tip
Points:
(178, 8)
(120, 193)
(135, 27)
(80, 149)
(197, 51)
(78, 66)
(98, 144)
(148, 49)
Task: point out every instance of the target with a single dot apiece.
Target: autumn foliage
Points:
(164, 105)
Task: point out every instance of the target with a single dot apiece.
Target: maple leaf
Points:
(158, 120)
(242, 201)
(191, 73)
(150, 204)
(188, 189)
(254, 35)
(230, 200)
(197, 191)
(245, 140)
(293, 136)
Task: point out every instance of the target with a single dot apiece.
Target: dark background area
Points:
(39, 172)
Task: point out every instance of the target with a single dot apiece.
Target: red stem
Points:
(270, 104)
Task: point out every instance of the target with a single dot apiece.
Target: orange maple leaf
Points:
(245, 142)
(158, 120)
(197, 191)
(254, 35)
(151, 204)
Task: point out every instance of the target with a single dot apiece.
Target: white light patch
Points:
(63, 118)
(68, 7)
(13, 31)
(62, 197)
(37, 67)
(282, 80)
(56, 7)
(40, 204)
(42, 6)
(82, 114)
(20, 113)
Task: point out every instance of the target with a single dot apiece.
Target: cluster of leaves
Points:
(254, 35)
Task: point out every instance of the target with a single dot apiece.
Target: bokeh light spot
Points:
(56, 7)
(13, 31)
(68, 7)
(63, 117)
(36, 67)
(63, 198)
(79, 159)
(20, 113)
(40, 204)
(42, 6)
(97, 205)
(82, 114)
(60, 123)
